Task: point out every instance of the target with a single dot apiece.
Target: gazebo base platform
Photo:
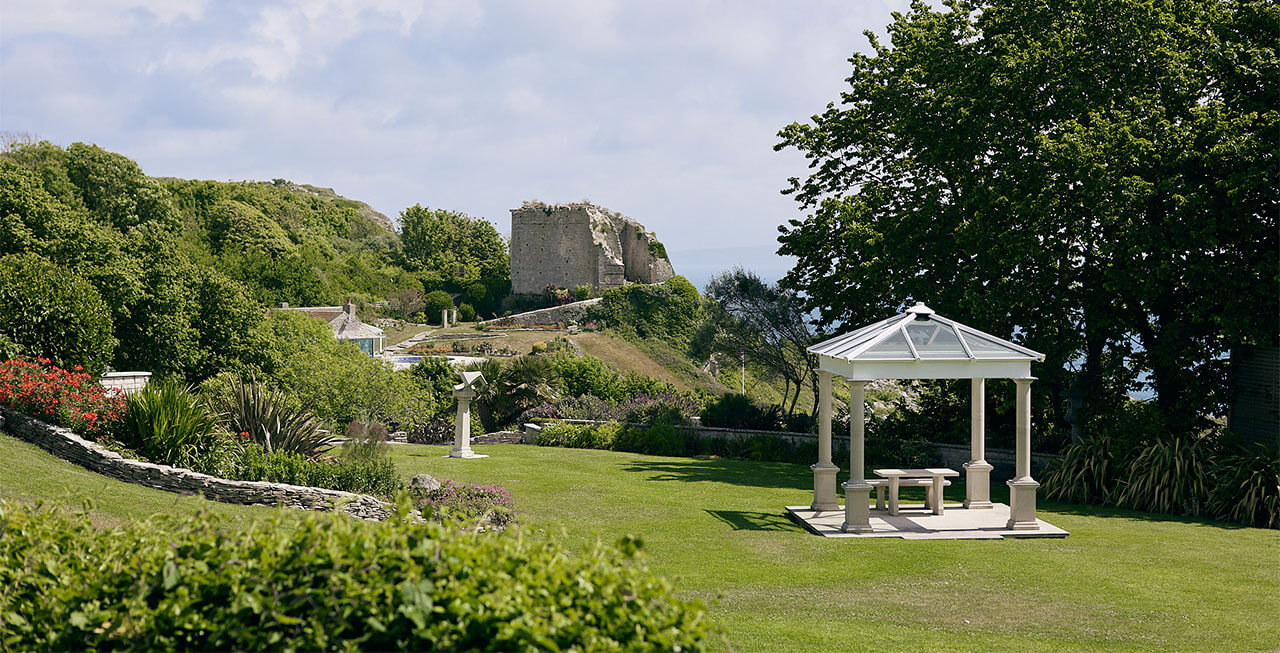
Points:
(955, 523)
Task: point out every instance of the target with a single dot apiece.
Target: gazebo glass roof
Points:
(920, 334)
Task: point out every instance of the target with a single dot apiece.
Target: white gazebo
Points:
(920, 344)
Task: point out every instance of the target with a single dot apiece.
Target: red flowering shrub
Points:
(69, 398)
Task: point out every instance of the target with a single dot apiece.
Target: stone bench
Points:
(882, 485)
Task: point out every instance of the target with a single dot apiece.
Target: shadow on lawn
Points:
(747, 520)
(1085, 510)
(733, 472)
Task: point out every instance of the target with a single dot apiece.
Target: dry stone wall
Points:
(72, 448)
(573, 312)
(569, 245)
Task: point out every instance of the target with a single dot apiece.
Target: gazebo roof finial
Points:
(920, 309)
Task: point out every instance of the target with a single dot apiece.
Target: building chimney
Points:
(349, 308)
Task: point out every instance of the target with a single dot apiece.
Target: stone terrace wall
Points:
(574, 312)
(72, 448)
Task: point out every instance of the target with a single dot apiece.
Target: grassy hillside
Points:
(648, 359)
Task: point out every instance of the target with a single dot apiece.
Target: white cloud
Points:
(666, 111)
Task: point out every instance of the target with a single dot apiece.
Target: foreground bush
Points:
(329, 582)
(375, 475)
(68, 398)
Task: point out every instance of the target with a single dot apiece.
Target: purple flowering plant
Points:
(487, 505)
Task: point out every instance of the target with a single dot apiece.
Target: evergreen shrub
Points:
(323, 582)
(667, 407)
(435, 302)
(50, 312)
(369, 475)
(736, 411)
(659, 439)
(580, 436)
(171, 425)
(466, 313)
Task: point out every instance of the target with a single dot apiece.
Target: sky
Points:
(665, 111)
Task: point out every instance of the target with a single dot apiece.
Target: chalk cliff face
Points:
(574, 244)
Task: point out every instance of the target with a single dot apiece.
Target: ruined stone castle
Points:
(570, 245)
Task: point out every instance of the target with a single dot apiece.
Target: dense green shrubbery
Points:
(586, 375)
(579, 436)
(169, 424)
(659, 439)
(1133, 462)
(50, 312)
(466, 313)
(671, 440)
(339, 382)
(373, 475)
(314, 582)
(435, 303)
(737, 411)
(669, 312)
(662, 408)
(577, 376)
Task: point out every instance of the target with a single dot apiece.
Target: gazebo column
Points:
(824, 472)
(977, 472)
(1022, 488)
(857, 492)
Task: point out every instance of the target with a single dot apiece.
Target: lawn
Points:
(28, 474)
(1122, 581)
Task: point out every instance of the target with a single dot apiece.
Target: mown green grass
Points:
(715, 528)
(29, 474)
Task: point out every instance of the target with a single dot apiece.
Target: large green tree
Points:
(767, 326)
(1097, 177)
(50, 312)
(453, 244)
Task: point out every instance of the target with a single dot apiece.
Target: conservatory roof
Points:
(921, 344)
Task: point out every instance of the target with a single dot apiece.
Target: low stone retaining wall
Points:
(573, 312)
(74, 449)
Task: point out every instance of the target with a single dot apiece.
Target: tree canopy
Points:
(453, 244)
(1097, 178)
(767, 326)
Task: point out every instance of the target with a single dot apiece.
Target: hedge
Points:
(670, 440)
(322, 582)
